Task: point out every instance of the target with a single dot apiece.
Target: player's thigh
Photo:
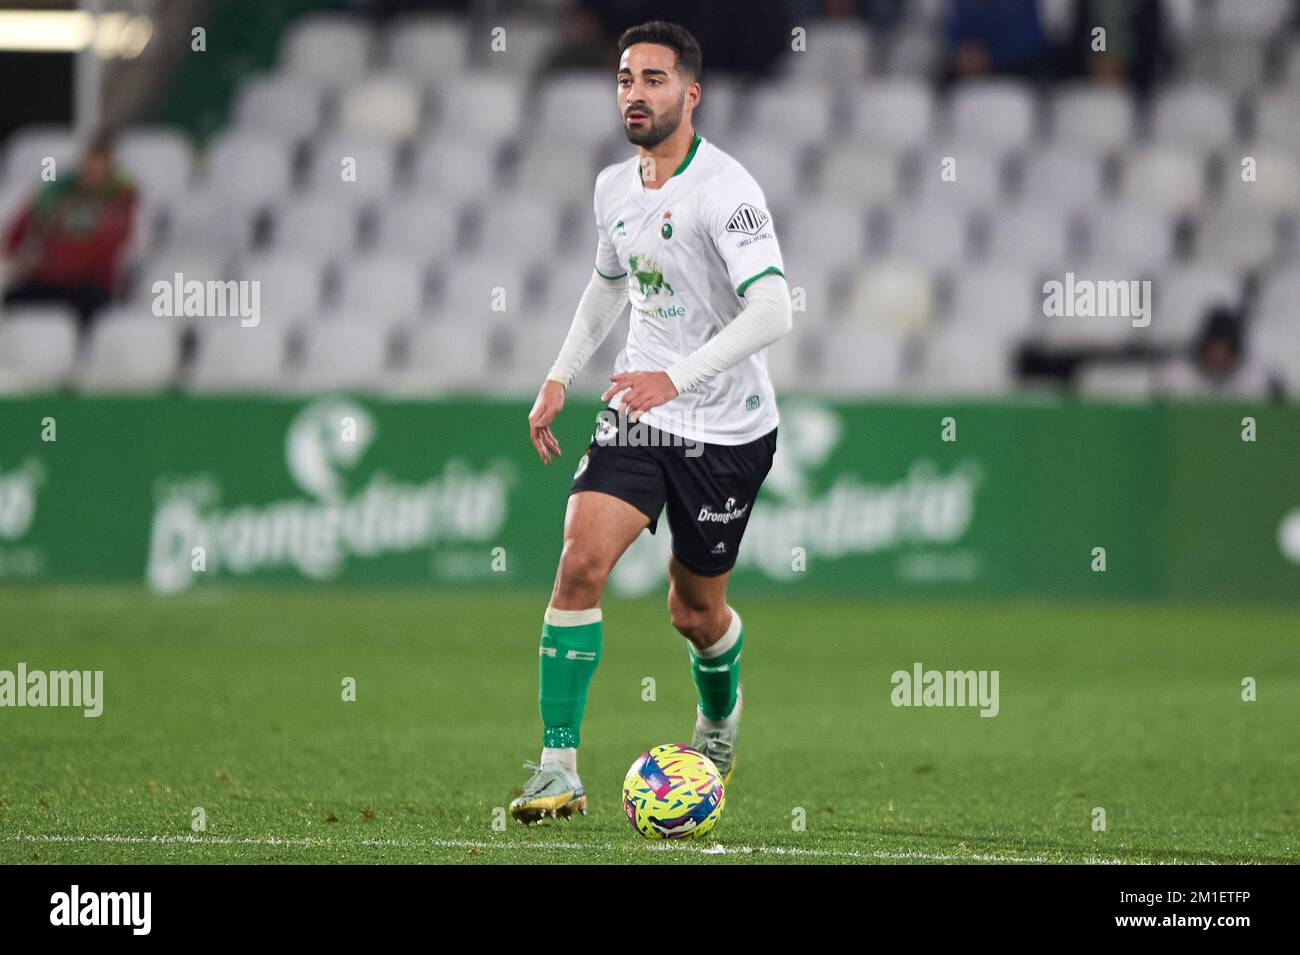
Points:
(598, 528)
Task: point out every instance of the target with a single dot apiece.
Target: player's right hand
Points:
(550, 401)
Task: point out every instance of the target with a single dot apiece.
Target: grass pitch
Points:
(231, 702)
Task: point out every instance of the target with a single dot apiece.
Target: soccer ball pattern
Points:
(673, 792)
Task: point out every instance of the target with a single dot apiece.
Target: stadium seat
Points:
(280, 105)
(859, 174)
(1193, 116)
(451, 168)
(1276, 183)
(1093, 119)
(330, 47)
(421, 224)
(527, 41)
(892, 114)
(469, 291)
(793, 114)
(1061, 178)
(158, 159)
(1277, 118)
(136, 353)
(836, 48)
(1140, 235)
(1278, 347)
(210, 218)
(1184, 296)
(963, 361)
(1240, 238)
(29, 146)
(443, 358)
(998, 303)
(555, 168)
(977, 178)
(1234, 66)
(913, 53)
(856, 360)
(934, 234)
(342, 354)
(1258, 21)
(1164, 177)
(526, 226)
(427, 47)
(381, 106)
(1279, 295)
(202, 262)
(995, 115)
(1031, 237)
(834, 233)
(369, 176)
(483, 108)
(291, 282)
(894, 295)
(231, 358)
(316, 225)
(383, 284)
(577, 108)
(248, 168)
(38, 345)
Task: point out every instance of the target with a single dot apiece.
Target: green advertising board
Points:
(875, 499)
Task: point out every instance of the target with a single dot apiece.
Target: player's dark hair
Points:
(674, 36)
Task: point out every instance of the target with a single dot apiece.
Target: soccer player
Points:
(685, 235)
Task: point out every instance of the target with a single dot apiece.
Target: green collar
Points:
(690, 154)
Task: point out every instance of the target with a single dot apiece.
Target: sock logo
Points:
(587, 655)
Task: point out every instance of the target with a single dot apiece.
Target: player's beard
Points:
(658, 129)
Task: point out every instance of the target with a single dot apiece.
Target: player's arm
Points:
(765, 318)
(599, 308)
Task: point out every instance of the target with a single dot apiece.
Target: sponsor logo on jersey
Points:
(747, 219)
(648, 276)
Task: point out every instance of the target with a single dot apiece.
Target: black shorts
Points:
(709, 488)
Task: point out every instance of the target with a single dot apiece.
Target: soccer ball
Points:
(673, 792)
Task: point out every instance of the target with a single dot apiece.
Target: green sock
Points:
(568, 655)
(717, 676)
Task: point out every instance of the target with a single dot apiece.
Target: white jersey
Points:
(689, 250)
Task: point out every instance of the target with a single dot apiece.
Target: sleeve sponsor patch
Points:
(747, 219)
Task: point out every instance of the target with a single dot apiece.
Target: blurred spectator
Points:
(582, 46)
(1218, 367)
(67, 243)
(747, 37)
(986, 37)
(1134, 53)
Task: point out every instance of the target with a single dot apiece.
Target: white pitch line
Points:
(307, 843)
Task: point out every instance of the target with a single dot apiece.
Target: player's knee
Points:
(581, 574)
(691, 620)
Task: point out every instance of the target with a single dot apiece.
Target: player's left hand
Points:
(645, 390)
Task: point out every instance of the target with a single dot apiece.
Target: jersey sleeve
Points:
(607, 263)
(741, 227)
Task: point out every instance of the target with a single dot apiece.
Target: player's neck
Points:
(660, 163)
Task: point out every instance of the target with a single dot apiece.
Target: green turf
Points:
(231, 701)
